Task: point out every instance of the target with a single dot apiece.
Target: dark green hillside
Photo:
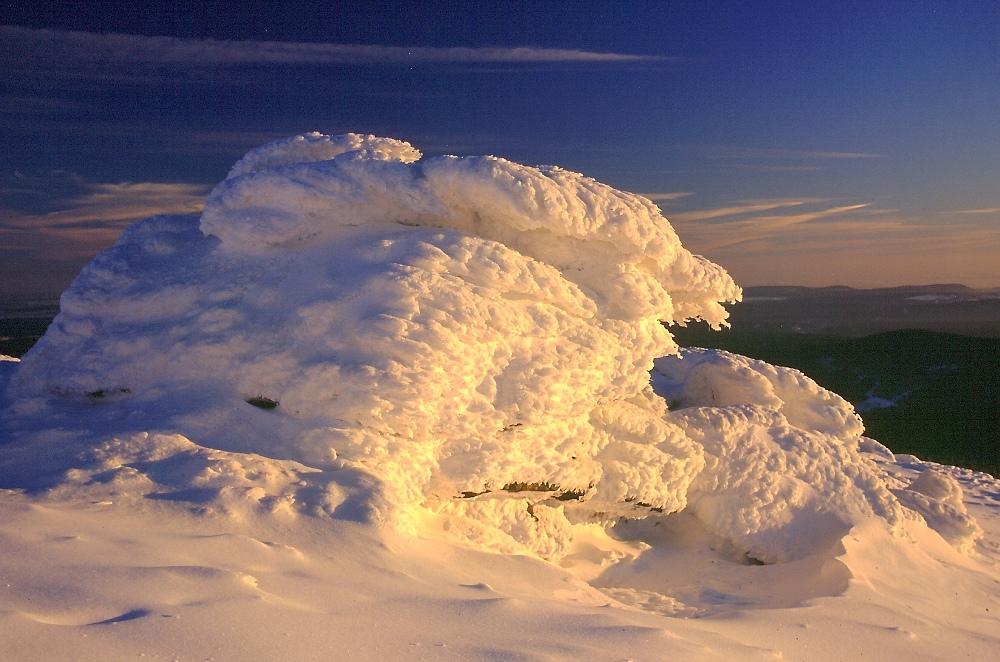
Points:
(946, 387)
(18, 334)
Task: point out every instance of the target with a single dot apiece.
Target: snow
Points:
(784, 474)
(448, 326)
(480, 443)
(873, 401)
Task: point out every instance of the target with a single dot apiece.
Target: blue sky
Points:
(802, 143)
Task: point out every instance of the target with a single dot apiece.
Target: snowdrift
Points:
(349, 329)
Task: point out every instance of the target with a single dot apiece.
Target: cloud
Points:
(787, 168)
(60, 220)
(984, 210)
(842, 155)
(820, 242)
(131, 200)
(669, 196)
(761, 223)
(91, 219)
(738, 209)
(743, 226)
(764, 154)
(89, 47)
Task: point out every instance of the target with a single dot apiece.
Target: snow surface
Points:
(370, 405)
(873, 401)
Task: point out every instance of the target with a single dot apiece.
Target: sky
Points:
(805, 143)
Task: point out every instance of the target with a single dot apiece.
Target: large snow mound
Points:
(469, 337)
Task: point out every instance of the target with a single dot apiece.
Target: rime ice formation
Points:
(468, 337)
(784, 472)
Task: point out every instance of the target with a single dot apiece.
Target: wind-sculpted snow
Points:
(784, 473)
(315, 147)
(938, 498)
(467, 337)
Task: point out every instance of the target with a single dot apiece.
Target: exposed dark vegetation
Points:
(946, 386)
(544, 486)
(102, 393)
(261, 402)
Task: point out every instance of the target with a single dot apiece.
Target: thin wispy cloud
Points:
(738, 209)
(808, 243)
(668, 196)
(753, 153)
(786, 168)
(975, 212)
(751, 220)
(842, 155)
(784, 220)
(122, 201)
(142, 49)
(127, 201)
(91, 220)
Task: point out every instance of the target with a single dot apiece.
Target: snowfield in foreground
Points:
(375, 406)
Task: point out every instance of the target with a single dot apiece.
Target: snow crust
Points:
(459, 340)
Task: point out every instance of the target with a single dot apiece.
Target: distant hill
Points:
(841, 290)
(846, 311)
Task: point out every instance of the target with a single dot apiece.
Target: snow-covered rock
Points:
(345, 412)
(468, 338)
